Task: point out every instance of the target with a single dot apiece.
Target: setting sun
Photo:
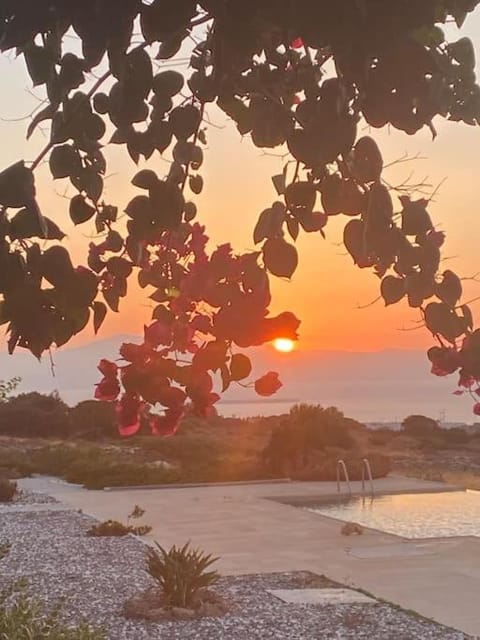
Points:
(284, 344)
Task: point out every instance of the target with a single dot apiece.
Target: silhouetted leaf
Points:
(280, 257)
(99, 314)
(64, 161)
(80, 210)
(17, 186)
(196, 184)
(240, 366)
(392, 289)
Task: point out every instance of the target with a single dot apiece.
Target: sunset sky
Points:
(327, 290)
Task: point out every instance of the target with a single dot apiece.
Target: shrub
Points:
(93, 419)
(456, 436)
(181, 573)
(307, 430)
(116, 528)
(419, 426)
(34, 415)
(8, 490)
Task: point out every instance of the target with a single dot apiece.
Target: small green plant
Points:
(8, 490)
(24, 619)
(116, 528)
(4, 549)
(181, 573)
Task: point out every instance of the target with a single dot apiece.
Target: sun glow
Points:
(285, 345)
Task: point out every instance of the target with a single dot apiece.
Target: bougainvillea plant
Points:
(300, 73)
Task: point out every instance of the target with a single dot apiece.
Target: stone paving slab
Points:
(324, 596)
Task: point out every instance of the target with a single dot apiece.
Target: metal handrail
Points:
(366, 467)
(341, 465)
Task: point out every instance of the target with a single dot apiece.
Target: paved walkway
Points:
(438, 578)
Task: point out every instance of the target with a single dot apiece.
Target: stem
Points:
(195, 138)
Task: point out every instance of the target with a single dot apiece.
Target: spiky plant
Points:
(181, 572)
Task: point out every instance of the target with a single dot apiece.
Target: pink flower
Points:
(166, 425)
(297, 43)
(107, 389)
(158, 332)
(107, 368)
(128, 413)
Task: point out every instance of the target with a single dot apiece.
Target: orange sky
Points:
(327, 289)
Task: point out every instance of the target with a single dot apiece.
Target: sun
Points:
(285, 345)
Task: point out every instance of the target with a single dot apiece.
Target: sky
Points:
(330, 296)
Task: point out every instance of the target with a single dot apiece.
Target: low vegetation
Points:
(116, 528)
(80, 444)
(25, 618)
(8, 490)
(181, 573)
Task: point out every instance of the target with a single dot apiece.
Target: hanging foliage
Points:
(267, 66)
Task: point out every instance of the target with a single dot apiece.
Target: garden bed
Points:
(96, 576)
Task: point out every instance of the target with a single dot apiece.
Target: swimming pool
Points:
(414, 515)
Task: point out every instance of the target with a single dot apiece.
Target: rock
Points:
(351, 528)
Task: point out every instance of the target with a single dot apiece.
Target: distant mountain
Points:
(374, 386)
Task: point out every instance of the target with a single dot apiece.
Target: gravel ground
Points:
(97, 575)
(29, 497)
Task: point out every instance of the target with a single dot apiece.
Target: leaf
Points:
(442, 320)
(71, 72)
(354, 240)
(279, 183)
(168, 83)
(240, 366)
(280, 257)
(196, 184)
(93, 185)
(64, 161)
(392, 289)
(293, 227)
(300, 194)
(145, 179)
(53, 231)
(28, 223)
(190, 211)
(463, 52)
(467, 314)
(184, 121)
(17, 186)
(270, 223)
(39, 63)
(367, 161)
(101, 103)
(169, 47)
(416, 220)
(57, 266)
(449, 290)
(99, 314)
(268, 384)
(111, 298)
(80, 210)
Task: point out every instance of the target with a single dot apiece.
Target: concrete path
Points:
(253, 533)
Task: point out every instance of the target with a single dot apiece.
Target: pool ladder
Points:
(366, 475)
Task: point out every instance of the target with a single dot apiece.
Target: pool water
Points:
(415, 515)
